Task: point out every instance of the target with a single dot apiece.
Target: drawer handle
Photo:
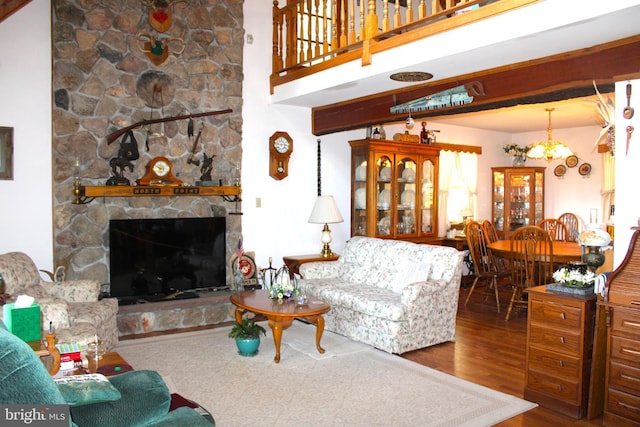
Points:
(562, 363)
(629, 378)
(627, 406)
(635, 302)
(629, 351)
(562, 340)
(563, 316)
(632, 324)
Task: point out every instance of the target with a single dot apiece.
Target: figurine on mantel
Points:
(206, 168)
(126, 154)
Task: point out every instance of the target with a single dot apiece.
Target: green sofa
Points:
(144, 397)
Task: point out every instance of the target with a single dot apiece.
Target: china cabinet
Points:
(622, 307)
(517, 198)
(393, 189)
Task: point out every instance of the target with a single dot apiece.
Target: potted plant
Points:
(247, 336)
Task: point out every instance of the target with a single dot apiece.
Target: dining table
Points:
(563, 251)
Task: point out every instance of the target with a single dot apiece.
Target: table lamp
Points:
(325, 211)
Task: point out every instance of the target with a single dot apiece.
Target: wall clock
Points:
(280, 149)
(159, 172)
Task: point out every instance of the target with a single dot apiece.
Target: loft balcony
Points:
(336, 56)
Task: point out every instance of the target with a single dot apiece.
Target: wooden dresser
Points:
(622, 306)
(559, 347)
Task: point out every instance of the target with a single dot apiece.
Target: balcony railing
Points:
(313, 35)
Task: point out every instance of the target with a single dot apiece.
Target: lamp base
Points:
(326, 251)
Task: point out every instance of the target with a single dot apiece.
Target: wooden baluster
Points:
(409, 13)
(343, 24)
(291, 32)
(352, 23)
(371, 20)
(363, 29)
(397, 19)
(334, 27)
(309, 30)
(317, 39)
(422, 10)
(276, 53)
(385, 16)
(325, 38)
(435, 6)
(300, 30)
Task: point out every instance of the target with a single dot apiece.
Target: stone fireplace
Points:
(103, 81)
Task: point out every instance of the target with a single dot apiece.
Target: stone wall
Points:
(103, 81)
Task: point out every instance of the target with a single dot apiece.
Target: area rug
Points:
(350, 385)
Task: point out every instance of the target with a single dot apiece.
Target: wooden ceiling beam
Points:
(564, 76)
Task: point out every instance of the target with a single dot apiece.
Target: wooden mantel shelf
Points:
(157, 190)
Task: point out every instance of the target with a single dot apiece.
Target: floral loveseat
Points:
(72, 306)
(396, 296)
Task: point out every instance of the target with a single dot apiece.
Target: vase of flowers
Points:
(576, 281)
(283, 286)
(518, 153)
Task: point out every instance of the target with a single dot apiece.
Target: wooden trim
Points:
(9, 7)
(157, 191)
(563, 76)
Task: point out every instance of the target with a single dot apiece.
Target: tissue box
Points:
(23, 322)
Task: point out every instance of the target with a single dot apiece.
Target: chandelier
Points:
(549, 149)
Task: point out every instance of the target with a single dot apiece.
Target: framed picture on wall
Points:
(6, 153)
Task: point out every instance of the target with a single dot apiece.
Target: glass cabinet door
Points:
(498, 201)
(539, 197)
(519, 200)
(427, 195)
(359, 222)
(405, 213)
(383, 195)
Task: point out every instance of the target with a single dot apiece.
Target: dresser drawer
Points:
(556, 315)
(626, 322)
(563, 389)
(625, 378)
(562, 341)
(625, 349)
(624, 404)
(559, 364)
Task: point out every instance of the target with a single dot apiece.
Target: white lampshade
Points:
(325, 211)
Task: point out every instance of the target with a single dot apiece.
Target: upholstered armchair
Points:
(137, 398)
(72, 306)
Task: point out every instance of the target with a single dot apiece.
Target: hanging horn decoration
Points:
(160, 13)
(158, 50)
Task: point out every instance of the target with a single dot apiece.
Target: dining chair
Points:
(490, 231)
(572, 223)
(556, 228)
(484, 267)
(531, 263)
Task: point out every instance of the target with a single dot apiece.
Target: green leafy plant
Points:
(246, 330)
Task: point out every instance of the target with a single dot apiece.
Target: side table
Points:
(460, 243)
(293, 262)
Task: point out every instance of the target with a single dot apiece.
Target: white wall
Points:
(25, 94)
(627, 175)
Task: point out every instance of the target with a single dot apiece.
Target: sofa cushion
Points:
(371, 300)
(79, 390)
(408, 273)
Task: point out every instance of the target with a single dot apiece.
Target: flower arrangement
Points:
(283, 287)
(516, 150)
(574, 278)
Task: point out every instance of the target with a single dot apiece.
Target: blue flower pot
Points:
(248, 347)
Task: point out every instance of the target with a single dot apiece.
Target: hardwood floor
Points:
(491, 352)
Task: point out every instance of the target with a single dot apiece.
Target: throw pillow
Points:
(408, 273)
(79, 390)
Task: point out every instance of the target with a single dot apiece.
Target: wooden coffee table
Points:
(280, 314)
